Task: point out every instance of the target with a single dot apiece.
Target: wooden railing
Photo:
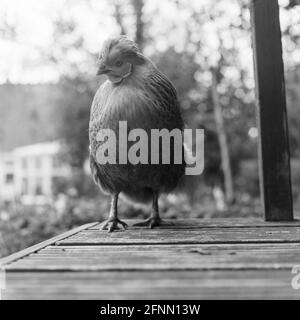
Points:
(274, 155)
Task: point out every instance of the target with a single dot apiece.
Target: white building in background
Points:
(7, 192)
(28, 172)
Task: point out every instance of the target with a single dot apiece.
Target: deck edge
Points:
(25, 252)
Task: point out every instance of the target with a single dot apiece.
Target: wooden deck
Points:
(195, 259)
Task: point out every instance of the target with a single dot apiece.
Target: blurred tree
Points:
(293, 105)
(138, 6)
(119, 16)
(222, 137)
(222, 78)
(133, 9)
(7, 29)
(75, 119)
(71, 56)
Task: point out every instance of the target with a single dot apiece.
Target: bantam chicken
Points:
(136, 92)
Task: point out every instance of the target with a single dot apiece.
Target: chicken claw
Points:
(153, 222)
(112, 224)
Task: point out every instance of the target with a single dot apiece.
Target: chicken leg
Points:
(154, 220)
(112, 222)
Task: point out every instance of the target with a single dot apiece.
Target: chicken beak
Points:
(102, 69)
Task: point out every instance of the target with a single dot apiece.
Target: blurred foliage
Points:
(22, 226)
(75, 119)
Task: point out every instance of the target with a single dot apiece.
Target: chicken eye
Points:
(118, 63)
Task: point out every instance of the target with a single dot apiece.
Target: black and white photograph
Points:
(149, 153)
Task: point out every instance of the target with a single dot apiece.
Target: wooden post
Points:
(274, 156)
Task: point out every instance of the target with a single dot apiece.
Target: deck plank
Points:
(220, 284)
(217, 222)
(185, 236)
(168, 257)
